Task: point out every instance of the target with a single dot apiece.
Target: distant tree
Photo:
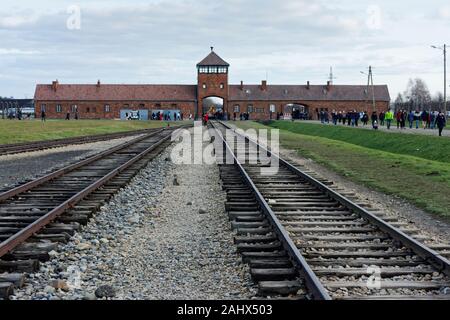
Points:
(399, 103)
(417, 94)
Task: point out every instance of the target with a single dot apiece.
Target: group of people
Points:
(428, 119)
(167, 116)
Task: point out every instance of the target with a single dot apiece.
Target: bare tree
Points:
(417, 94)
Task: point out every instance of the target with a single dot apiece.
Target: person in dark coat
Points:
(374, 118)
(440, 123)
(43, 116)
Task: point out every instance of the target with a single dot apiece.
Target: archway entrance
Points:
(213, 106)
(296, 111)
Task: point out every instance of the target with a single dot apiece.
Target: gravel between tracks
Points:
(27, 165)
(152, 242)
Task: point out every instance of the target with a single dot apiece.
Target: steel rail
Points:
(21, 236)
(16, 148)
(29, 185)
(441, 263)
(312, 282)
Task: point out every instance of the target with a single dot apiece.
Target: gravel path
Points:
(17, 167)
(154, 240)
(407, 130)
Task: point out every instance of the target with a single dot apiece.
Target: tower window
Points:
(203, 70)
(222, 86)
(204, 86)
(222, 69)
(212, 69)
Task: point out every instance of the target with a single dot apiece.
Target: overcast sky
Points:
(160, 41)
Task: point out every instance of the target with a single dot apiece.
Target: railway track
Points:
(49, 144)
(36, 216)
(304, 239)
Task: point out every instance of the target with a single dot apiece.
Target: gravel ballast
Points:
(156, 239)
(28, 165)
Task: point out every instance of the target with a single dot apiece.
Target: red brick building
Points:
(211, 93)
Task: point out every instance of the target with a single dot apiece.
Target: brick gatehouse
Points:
(212, 92)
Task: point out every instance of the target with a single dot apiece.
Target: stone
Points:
(104, 240)
(83, 246)
(89, 296)
(105, 291)
(189, 203)
(202, 211)
(49, 289)
(175, 181)
(60, 284)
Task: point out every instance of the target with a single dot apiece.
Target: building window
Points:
(43, 106)
(174, 106)
(237, 108)
(58, 108)
(222, 86)
(107, 108)
(158, 106)
(204, 86)
(94, 109)
(272, 108)
(141, 106)
(260, 110)
(88, 109)
(74, 108)
(250, 108)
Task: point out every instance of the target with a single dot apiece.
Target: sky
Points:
(161, 41)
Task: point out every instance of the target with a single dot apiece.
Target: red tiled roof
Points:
(213, 59)
(314, 93)
(116, 92)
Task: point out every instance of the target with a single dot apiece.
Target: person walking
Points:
(389, 117)
(417, 118)
(403, 120)
(424, 117)
(374, 118)
(441, 123)
(43, 116)
(382, 117)
(398, 117)
(410, 119)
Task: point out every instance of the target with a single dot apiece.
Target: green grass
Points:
(423, 182)
(422, 146)
(14, 131)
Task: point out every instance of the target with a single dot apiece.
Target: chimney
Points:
(55, 85)
(242, 85)
(264, 85)
(98, 83)
(307, 85)
(328, 85)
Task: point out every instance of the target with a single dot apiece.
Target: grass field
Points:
(372, 160)
(14, 131)
(422, 146)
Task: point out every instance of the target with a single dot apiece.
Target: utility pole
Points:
(371, 84)
(444, 50)
(331, 76)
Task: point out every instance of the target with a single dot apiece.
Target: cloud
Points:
(22, 19)
(161, 41)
